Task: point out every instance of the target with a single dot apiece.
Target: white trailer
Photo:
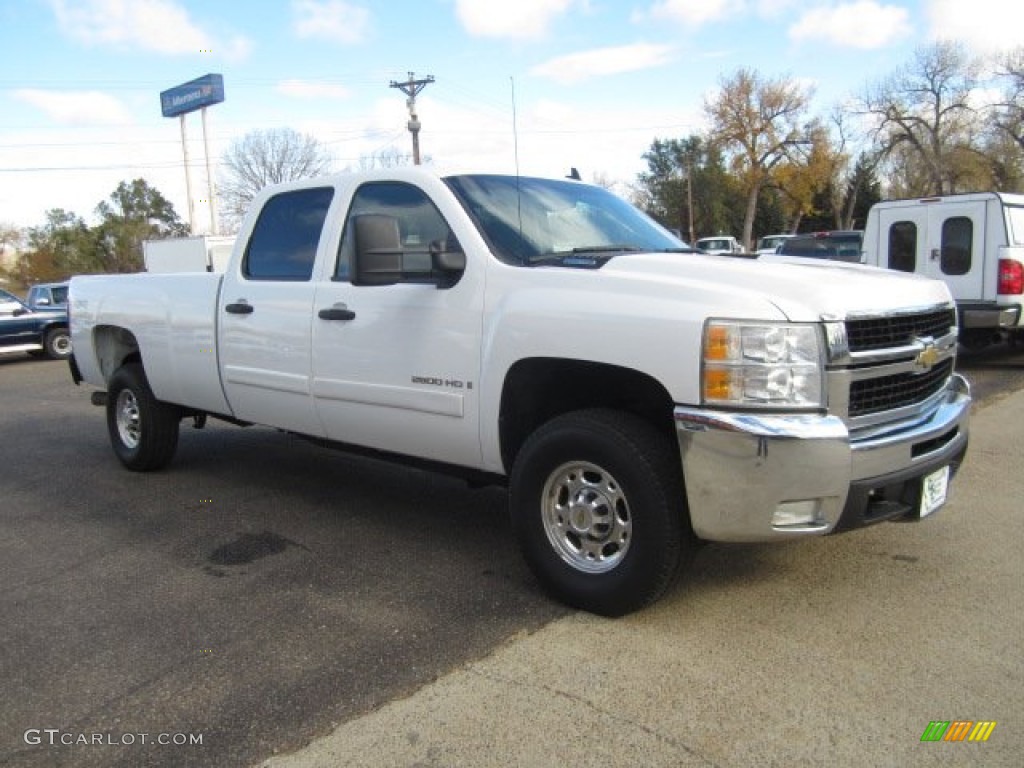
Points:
(204, 253)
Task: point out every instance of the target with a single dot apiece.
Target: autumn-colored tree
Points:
(757, 122)
(65, 245)
(811, 166)
(61, 247)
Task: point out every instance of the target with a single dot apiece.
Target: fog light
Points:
(793, 513)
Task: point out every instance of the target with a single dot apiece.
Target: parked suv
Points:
(837, 245)
(38, 333)
(48, 297)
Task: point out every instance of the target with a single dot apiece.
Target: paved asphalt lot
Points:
(262, 591)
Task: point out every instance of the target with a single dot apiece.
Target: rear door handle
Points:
(336, 313)
(239, 308)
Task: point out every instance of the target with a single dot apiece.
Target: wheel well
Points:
(538, 389)
(114, 347)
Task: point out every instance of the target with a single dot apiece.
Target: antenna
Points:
(515, 144)
(515, 129)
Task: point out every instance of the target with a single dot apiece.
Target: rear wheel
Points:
(143, 430)
(598, 508)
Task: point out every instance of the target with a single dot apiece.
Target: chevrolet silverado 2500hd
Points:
(634, 395)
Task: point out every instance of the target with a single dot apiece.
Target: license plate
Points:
(933, 491)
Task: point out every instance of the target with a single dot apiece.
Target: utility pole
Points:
(411, 88)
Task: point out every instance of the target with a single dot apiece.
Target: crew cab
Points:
(633, 394)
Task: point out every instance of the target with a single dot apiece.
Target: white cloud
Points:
(162, 26)
(865, 25)
(984, 25)
(77, 107)
(518, 19)
(695, 13)
(576, 67)
(312, 90)
(333, 20)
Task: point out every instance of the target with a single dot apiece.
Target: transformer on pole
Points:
(411, 88)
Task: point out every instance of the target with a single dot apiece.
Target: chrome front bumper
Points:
(749, 476)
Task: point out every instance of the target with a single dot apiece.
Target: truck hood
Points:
(804, 290)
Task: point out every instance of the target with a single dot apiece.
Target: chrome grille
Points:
(888, 393)
(899, 330)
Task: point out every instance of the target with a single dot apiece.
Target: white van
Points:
(973, 242)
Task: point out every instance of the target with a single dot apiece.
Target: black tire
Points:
(57, 343)
(599, 510)
(143, 430)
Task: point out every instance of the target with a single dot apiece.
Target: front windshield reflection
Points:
(529, 220)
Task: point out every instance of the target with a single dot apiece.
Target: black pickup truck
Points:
(38, 333)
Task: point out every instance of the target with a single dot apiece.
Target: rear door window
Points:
(903, 246)
(284, 241)
(957, 236)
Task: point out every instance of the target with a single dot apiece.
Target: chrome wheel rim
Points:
(129, 425)
(586, 517)
(62, 345)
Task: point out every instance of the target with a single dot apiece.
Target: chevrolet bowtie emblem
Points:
(927, 357)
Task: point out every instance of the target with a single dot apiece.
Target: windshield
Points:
(1015, 216)
(528, 220)
(837, 247)
(770, 242)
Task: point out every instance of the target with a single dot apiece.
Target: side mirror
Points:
(446, 261)
(20, 311)
(378, 256)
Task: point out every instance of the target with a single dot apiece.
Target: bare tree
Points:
(924, 124)
(389, 157)
(1008, 112)
(757, 122)
(267, 157)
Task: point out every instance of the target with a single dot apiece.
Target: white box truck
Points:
(203, 253)
(973, 242)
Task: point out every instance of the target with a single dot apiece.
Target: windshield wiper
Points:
(578, 256)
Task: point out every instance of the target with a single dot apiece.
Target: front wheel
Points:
(598, 508)
(57, 344)
(143, 430)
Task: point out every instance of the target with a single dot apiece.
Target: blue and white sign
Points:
(193, 95)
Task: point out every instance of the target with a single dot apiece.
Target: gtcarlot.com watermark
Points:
(54, 737)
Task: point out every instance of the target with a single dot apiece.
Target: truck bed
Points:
(173, 320)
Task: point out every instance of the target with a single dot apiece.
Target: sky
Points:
(542, 84)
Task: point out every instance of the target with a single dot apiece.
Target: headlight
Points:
(763, 365)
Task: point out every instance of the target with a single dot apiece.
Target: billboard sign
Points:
(193, 95)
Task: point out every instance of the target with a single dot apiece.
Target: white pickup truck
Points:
(634, 395)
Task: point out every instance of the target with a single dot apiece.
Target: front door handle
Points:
(239, 308)
(336, 313)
